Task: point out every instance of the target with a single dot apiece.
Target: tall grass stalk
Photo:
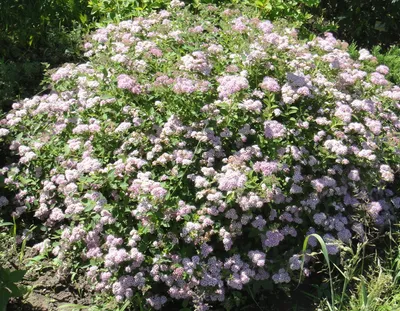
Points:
(326, 256)
(348, 272)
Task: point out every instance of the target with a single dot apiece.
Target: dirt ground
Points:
(48, 291)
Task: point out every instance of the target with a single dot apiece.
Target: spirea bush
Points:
(193, 153)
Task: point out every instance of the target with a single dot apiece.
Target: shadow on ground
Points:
(18, 305)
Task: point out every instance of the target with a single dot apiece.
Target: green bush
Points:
(390, 58)
(20, 76)
(31, 24)
(116, 10)
(16, 79)
(35, 32)
(366, 22)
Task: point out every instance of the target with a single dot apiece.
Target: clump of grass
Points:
(357, 286)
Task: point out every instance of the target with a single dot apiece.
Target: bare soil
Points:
(48, 290)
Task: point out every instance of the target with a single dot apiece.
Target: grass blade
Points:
(72, 306)
(4, 224)
(326, 256)
(364, 295)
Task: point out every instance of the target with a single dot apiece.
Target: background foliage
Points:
(365, 22)
(33, 33)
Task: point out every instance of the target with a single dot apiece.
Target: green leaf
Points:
(364, 294)
(17, 275)
(311, 2)
(3, 224)
(72, 306)
(123, 185)
(4, 296)
(126, 304)
(327, 260)
(4, 273)
(35, 259)
(67, 150)
(15, 291)
(83, 18)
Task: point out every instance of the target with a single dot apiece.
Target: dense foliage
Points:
(188, 163)
(365, 22)
(18, 79)
(391, 58)
(33, 33)
(30, 23)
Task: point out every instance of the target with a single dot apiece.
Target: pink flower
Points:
(382, 69)
(270, 84)
(273, 129)
(230, 85)
(128, 83)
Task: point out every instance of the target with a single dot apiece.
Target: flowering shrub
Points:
(192, 154)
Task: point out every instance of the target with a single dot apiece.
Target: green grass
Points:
(363, 282)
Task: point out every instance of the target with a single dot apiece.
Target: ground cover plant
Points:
(183, 165)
